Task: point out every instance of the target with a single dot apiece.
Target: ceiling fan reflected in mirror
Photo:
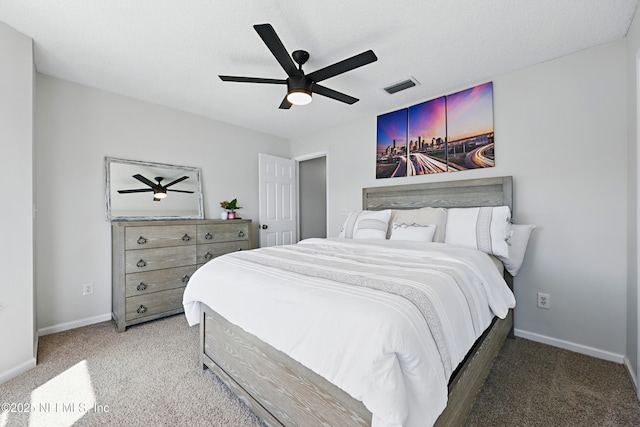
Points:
(159, 190)
(300, 86)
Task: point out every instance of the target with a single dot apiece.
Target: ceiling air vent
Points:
(402, 85)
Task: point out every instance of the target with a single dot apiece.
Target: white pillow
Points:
(349, 225)
(518, 239)
(483, 228)
(372, 225)
(412, 232)
(422, 216)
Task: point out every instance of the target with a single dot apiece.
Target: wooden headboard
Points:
(496, 191)
(450, 194)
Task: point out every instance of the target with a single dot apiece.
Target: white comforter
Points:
(322, 305)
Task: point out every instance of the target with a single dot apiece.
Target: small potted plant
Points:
(230, 209)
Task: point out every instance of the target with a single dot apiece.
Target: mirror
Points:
(143, 190)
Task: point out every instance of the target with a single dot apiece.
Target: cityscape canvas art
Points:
(392, 144)
(447, 134)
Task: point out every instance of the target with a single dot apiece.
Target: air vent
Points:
(402, 85)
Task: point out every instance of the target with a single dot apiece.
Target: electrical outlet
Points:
(544, 300)
(87, 289)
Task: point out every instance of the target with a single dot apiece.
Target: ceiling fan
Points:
(159, 190)
(300, 86)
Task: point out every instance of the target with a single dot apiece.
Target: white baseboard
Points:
(73, 325)
(567, 345)
(18, 370)
(632, 373)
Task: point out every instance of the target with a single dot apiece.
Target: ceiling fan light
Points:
(160, 194)
(299, 97)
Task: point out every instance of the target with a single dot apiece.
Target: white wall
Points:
(17, 322)
(76, 127)
(561, 133)
(633, 77)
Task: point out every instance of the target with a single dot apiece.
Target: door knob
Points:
(265, 226)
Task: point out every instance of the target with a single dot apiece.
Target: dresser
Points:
(152, 262)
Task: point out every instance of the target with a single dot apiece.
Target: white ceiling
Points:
(170, 52)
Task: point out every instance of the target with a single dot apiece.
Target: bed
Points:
(283, 391)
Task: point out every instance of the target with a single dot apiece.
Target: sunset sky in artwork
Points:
(470, 112)
(428, 120)
(392, 126)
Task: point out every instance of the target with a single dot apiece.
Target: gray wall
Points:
(312, 191)
(633, 73)
(17, 322)
(561, 133)
(77, 127)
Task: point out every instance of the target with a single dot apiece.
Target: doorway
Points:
(312, 196)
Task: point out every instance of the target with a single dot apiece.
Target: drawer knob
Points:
(142, 240)
(208, 255)
(141, 309)
(141, 286)
(185, 278)
(141, 263)
(208, 236)
(240, 233)
(186, 238)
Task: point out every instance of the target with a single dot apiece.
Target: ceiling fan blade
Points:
(145, 180)
(334, 94)
(343, 66)
(273, 42)
(140, 190)
(180, 191)
(285, 104)
(176, 181)
(252, 80)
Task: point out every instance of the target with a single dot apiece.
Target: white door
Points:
(277, 199)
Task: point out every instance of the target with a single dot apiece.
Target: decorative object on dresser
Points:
(177, 192)
(152, 262)
(230, 209)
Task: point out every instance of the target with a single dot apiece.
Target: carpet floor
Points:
(533, 384)
(150, 375)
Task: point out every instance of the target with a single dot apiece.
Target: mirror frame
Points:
(160, 169)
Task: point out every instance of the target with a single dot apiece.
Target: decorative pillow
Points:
(412, 232)
(518, 239)
(483, 228)
(372, 225)
(349, 225)
(423, 216)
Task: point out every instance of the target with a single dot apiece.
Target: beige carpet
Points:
(149, 375)
(146, 376)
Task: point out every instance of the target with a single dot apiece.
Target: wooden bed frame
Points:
(282, 392)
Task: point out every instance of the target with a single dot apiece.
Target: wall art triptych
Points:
(447, 134)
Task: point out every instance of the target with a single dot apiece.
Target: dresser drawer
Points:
(225, 232)
(153, 303)
(159, 236)
(212, 250)
(159, 258)
(157, 280)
